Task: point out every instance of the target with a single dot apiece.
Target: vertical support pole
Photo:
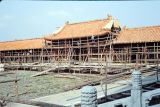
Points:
(80, 54)
(157, 64)
(125, 57)
(69, 54)
(131, 54)
(122, 56)
(108, 62)
(145, 54)
(89, 52)
(58, 55)
(42, 55)
(50, 55)
(154, 54)
(110, 50)
(65, 51)
(106, 71)
(136, 59)
(16, 87)
(0, 57)
(72, 54)
(98, 54)
(137, 55)
(54, 52)
(157, 71)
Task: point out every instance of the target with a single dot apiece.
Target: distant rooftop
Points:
(22, 44)
(139, 35)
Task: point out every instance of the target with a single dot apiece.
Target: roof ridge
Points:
(60, 30)
(143, 27)
(87, 21)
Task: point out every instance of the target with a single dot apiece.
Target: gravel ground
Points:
(34, 87)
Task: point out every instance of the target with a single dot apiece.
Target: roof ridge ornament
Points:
(109, 17)
(67, 22)
(124, 27)
(115, 26)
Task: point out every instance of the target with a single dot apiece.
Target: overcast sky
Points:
(32, 19)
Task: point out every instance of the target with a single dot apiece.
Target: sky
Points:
(34, 19)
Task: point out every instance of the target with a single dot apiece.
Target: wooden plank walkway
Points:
(44, 72)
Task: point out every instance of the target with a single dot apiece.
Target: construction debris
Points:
(13, 80)
(43, 72)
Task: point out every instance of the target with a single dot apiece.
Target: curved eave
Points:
(135, 42)
(101, 34)
(21, 49)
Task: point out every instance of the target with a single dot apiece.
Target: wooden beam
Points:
(6, 81)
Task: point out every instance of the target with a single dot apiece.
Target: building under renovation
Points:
(98, 47)
(87, 43)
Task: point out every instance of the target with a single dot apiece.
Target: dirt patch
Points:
(34, 87)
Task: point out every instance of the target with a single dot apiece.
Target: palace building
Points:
(88, 42)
